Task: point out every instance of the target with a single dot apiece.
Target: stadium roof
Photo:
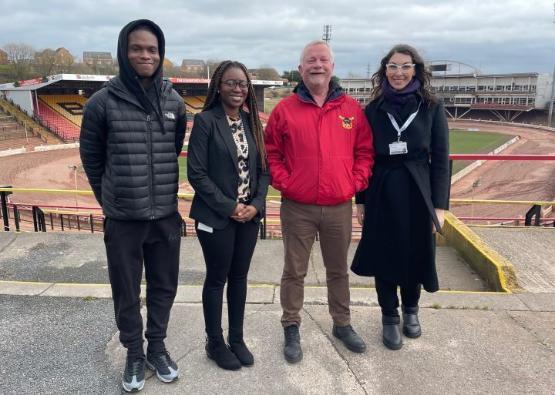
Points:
(38, 83)
(472, 75)
(94, 54)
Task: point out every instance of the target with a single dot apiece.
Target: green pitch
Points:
(466, 142)
(460, 142)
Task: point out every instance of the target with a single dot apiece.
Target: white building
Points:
(519, 97)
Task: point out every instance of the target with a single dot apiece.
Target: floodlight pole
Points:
(550, 116)
(208, 74)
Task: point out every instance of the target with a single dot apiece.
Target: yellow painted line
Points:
(451, 291)
(268, 198)
(75, 212)
(546, 228)
(81, 285)
(522, 202)
(263, 285)
(443, 291)
(37, 190)
(15, 282)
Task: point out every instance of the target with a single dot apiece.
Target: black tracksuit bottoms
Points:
(227, 254)
(129, 244)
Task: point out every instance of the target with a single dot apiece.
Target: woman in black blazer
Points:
(405, 201)
(226, 166)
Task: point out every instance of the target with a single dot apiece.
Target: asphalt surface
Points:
(56, 346)
(81, 258)
(57, 333)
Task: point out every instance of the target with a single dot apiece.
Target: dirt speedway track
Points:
(508, 180)
(503, 180)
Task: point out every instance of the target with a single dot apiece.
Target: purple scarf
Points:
(398, 99)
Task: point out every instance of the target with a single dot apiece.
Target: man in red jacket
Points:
(320, 153)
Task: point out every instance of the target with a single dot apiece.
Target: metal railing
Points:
(43, 217)
(533, 216)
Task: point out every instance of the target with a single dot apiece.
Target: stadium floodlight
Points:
(449, 67)
(327, 34)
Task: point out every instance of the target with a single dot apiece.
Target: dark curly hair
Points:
(213, 99)
(421, 73)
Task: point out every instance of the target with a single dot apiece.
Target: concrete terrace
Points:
(57, 332)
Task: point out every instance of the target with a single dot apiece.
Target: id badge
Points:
(205, 228)
(398, 148)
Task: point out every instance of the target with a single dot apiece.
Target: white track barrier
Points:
(479, 163)
(13, 151)
(41, 148)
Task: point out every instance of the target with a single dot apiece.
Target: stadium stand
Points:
(9, 128)
(56, 122)
(31, 124)
(13, 135)
(194, 104)
(55, 103)
(68, 106)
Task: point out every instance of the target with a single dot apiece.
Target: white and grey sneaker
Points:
(134, 375)
(166, 369)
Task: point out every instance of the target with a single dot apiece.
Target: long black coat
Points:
(212, 169)
(397, 243)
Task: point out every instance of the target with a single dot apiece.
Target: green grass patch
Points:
(473, 142)
(182, 161)
(460, 142)
(273, 193)
(270, 103)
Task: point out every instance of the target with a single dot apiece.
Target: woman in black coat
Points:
(404, 203)
(226, 167)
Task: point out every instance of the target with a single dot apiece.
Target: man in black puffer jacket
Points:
(131, 135)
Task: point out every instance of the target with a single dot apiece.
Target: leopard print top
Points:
(238, 132)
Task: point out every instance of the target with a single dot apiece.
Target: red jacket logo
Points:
(347, 122)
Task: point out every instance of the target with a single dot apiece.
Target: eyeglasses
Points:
(394, 67)
(234, 83)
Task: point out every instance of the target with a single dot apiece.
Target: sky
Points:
(504, 36)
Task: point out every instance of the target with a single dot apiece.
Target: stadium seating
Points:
(63, 114)
(56, 122)
(194, 104)
(68, 106)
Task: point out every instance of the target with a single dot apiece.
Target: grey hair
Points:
(312, 44)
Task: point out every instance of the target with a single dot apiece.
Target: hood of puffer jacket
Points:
(127, 73)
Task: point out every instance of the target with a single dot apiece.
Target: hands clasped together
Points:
(244, 213)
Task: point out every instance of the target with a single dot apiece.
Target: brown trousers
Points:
(300, 224)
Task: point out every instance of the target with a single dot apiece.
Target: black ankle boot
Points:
(411, 326)
(239, 348)
(391, 333)
(217, 350)
(292, 350)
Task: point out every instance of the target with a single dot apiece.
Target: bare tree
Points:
(20, 57)
(212, 65)
(266, 72)
(63, 60)
(45, 61)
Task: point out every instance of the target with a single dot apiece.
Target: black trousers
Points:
(129, 244)
(227, 255)
(388, 299)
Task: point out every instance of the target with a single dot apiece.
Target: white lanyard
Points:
(405, 125)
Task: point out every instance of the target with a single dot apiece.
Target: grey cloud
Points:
(497, 36)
